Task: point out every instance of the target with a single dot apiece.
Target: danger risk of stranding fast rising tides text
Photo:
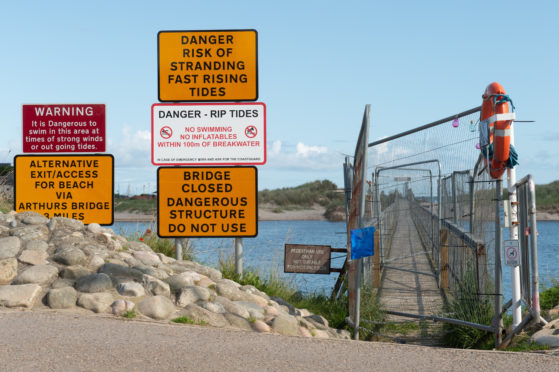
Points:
(209, 65)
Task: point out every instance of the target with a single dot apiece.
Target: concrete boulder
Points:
(9, 247)
(62, 298)
(8, 270)
(96, 302)
(33, 257)
(120, 271)
(23, 295)
(130, 289)
(203, 316)
(156, 307)
(156, 287)
(192, 294)
(285, 325)
(40, 274)
(70, 256)
(94, 283)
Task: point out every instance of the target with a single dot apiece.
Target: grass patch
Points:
(523, 343)
(402, 329)
(335, 210)
(6, 204)
(186, 320)
(130, 314)
(143, 206)
(6, 198)
(273, 284)
(547, 196)
(467, 305)
(164, 245)
(304, 196)
(549, 297)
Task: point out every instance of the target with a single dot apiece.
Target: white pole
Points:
(238, 242)
(178, 249)
(513, 235)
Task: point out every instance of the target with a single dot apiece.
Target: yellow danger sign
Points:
(220, 65)
(78, 187)
(207, 202)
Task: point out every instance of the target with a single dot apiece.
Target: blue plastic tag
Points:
(362, 242)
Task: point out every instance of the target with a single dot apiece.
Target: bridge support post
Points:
(443, 275)
(376, 262)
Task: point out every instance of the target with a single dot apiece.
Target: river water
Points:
(265, 252)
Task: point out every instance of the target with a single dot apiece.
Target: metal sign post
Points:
(178, 249)
(238, 242)
(513, 235)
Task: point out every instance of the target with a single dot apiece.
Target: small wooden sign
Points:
(308, 259)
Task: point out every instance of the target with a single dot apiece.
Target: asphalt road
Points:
(58, 341)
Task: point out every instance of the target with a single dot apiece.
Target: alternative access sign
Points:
(63, 128)
(73, 186)
(215, 202)
(204, 66)
(208, 134)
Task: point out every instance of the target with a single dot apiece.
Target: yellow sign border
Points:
(22, 194)
(163, 90)
(166, 220)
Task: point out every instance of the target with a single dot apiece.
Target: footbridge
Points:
(442, 228)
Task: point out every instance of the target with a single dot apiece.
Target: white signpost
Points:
(208, 134)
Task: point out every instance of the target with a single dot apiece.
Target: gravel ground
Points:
(58, 341)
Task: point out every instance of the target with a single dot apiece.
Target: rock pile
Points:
(61, 264)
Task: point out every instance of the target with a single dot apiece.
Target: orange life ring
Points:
(492, 111)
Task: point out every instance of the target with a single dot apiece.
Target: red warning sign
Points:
(64, 128)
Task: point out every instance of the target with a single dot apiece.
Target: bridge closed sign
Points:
(212, 202)
(78, 187)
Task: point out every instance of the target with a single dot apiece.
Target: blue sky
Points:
(320, 63)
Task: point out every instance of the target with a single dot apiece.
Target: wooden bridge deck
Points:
(405, 291)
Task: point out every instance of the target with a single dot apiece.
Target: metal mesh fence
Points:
(435, 212)
(452, 141)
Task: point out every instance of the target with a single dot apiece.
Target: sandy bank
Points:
(265, 214)
(315, 213)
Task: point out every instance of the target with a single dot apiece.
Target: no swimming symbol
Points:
(166, 132)
(251, 131)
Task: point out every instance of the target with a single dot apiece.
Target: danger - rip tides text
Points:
(196, 212)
